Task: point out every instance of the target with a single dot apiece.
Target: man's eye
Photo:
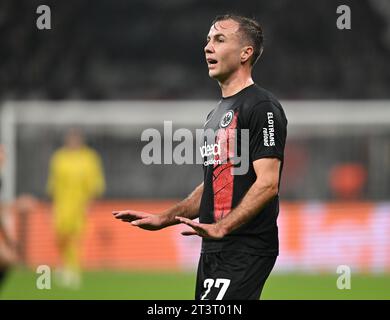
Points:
(221, 40)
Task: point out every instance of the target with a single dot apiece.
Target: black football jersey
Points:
(247, 126)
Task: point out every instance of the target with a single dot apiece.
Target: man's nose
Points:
(208, 48)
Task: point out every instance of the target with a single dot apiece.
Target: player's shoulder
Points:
(259, 96)
(58, 153)
(90, 152)
(259, 99)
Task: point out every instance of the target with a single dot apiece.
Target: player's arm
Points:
(187, 208)
(8, 254)
(96, 176)
(5, 234)
(259, 194)
(3, 231)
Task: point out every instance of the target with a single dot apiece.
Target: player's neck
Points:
(235, 84)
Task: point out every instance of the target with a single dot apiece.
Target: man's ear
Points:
(246, 53)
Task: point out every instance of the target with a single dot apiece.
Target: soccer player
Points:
(75, 178)
(8, 255)
(237, 212)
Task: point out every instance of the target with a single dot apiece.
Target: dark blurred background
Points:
(153, 49)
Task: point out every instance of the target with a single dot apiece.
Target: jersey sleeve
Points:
(51, 180)
(267, 131)
(96, 181)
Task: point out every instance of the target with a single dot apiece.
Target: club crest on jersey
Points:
(226, 119)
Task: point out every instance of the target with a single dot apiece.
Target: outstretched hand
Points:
(147, 221)
(204, 230)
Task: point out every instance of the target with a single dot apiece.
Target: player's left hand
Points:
(204, 230)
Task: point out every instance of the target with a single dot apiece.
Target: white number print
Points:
(208, 284)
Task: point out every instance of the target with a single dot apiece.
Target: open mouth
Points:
(211, 61)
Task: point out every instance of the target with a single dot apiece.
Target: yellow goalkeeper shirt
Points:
(75, 177)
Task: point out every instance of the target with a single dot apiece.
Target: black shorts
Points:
(232, 275)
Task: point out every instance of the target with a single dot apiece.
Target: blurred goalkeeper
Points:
(237, 212)
(75, 178)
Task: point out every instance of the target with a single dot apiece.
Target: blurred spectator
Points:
(347, 180)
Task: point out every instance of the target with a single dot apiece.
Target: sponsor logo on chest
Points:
(212, 152)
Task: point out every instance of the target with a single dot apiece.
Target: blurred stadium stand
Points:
(154, 49)
(331, 154)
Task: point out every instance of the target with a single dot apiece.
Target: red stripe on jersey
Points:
(222, 176)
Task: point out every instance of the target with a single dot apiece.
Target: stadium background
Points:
(117, 68)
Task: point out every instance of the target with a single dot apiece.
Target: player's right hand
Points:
(147, 221)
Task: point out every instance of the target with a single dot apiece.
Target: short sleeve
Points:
(96, 175)
(267, 131)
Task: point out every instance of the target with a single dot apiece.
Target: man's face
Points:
(74, 139)
(223, 49)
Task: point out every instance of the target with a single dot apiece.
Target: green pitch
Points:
(21, 284)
